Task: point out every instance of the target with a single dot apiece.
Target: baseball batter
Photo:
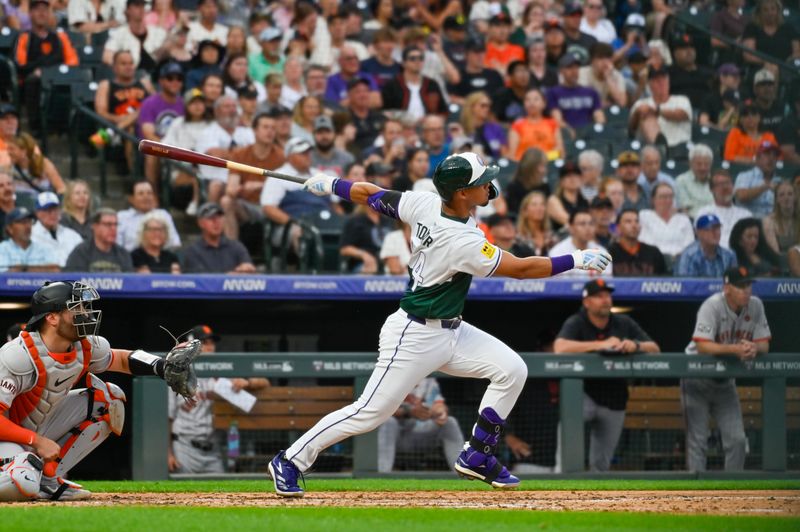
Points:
(426, 333)
(45, 426)
(731, 322)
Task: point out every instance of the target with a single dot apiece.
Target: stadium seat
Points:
(330, 226)
(711, 137)
(9, 84)
(57, 82)
(80, 125)
(90, 56)
(507, 170)
(617, 118)
(8, 36)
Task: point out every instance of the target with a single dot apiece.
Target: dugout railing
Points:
(149, 402)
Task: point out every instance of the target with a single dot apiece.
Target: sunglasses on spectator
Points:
(414, 58)
(173, 77)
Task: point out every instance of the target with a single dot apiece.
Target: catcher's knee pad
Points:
(20, 477)
(110, 398)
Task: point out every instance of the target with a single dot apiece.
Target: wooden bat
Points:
(159, 149)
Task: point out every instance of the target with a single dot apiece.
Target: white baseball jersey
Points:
(717, 322)
(445, 253)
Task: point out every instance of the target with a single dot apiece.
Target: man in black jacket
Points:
(412, 92)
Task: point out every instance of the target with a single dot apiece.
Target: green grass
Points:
(152, 519)
(375, 484)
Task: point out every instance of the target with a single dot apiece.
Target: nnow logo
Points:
(103, 283)
(244, 285)
(662, 287)
(789, 288)
(525, 287)
(385, 286)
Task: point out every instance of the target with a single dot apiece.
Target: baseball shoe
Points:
(58, 489)
(472, 465)
(284, 476)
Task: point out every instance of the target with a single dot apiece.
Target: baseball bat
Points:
(159, 149)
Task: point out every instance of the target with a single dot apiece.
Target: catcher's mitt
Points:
(178, 370)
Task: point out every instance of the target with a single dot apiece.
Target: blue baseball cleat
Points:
(284, 476)
(472, 464)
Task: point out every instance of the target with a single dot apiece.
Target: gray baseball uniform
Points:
(704, 398)
(193, 444)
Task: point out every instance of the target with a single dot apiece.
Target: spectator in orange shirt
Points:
(535, 130)
(499, 51)
(744, 139)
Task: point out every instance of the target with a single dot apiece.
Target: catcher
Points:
(46, 427)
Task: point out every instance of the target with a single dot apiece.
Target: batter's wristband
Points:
(562, 263)
(341, 188)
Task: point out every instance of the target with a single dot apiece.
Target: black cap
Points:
(596, 286)
(249, 91)
(569, 168)
(513, 65)
(356, 81)
(569, 59)
(454, 23)
(207, 210)
(476, 45)
(18, 214)
(653, 72)
(500, 18)
(170, 68)
(683, 40)
(497, 219)
(135, 3)
(731, 95)
(201, 332)
(573, 8)
(738, 276)
(8, 109)
(34, 2)
(601, 203)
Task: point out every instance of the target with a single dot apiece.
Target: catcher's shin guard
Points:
(20, 477)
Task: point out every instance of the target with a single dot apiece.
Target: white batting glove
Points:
(591, 259)
(320, 184)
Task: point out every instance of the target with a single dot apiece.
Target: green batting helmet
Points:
(463, 170)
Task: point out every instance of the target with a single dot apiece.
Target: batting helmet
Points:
(463, 170)
(74, 296)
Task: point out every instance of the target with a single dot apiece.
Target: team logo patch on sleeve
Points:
(488, 250)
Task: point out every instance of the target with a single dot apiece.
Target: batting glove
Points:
(320, 184)
(591, 259)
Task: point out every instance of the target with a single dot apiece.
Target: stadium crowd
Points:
(617, 124)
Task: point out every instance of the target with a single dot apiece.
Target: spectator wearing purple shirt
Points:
(571, 105)
(350, 69)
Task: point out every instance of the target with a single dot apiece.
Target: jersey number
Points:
(416, 271)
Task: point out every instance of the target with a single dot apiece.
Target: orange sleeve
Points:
(21, 53)
(732, 144)
(10, 431)
(70, 55)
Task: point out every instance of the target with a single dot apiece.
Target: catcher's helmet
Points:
(463, 170)
(74, 296)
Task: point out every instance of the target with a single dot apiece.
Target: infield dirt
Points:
(775, 502)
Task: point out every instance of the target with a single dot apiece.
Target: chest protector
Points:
(56, 373)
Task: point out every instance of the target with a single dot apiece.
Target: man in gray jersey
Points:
(426, 333)
(194, 449)
(731, 322)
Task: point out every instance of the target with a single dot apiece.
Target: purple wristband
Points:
(561, 264)
(341, 188)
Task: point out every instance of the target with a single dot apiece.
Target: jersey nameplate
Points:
(424, 235)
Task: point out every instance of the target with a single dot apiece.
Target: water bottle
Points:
(233, 445)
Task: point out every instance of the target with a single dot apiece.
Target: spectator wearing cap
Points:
(595, 329)
(581, 236)
(765, 98)
(595, 24)
(723, 207)
(717, 110)
(503, 234)
(101, 253)
(662, 226)
(743, 140)
(213, 252)
(475, 76)
(49, 233)
(769, 33)
(555, 42)
(325, 156)
(705, 257)
(499, 51)
(754, 188)
(632, 40)
(693, 186)
(142, 201)
(18, 253)
(632, 257)
(661, 118)
(145, 43)
(729, 22)
(292, 89)
(570, 104)
(36, 49)
(150, 255)
(381, 64)
(454, 40)
(337, 27)
(158, 111)
(368, 122)
(247, 100)
(651, 171)
(537, 129)
(685, 76)
(509, 102)
(572, 21)
(206, 27)
(241, 201)
(602, 211)
(205, 62)
(629, 167)
(730, 322)
(601, 75)
(269, 60)
(753, 252)
(7, 199)
(411, 91)
(349, 70)
(219, 139)
(567, 198)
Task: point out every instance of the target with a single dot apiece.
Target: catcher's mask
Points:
(73, 296)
